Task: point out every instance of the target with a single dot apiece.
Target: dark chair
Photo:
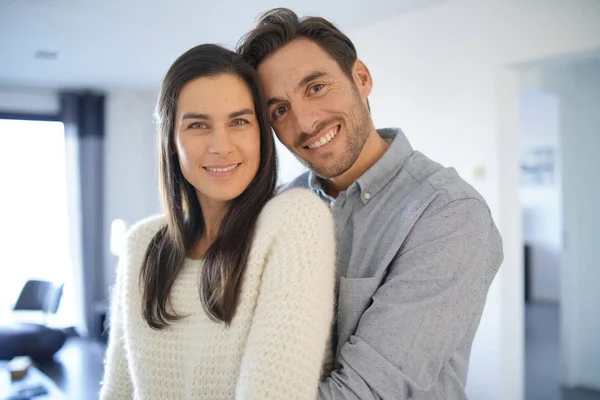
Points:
(37, 341)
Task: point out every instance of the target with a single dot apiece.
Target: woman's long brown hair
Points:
(225, 260)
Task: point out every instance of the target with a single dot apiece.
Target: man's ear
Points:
(362, 78)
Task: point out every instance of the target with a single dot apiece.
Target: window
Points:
(33, 210)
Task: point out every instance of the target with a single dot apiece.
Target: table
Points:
(33, 378)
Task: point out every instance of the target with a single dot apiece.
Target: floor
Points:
(542, 357)
(77, 368)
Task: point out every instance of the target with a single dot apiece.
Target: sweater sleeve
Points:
(291, 325)
(117, 383)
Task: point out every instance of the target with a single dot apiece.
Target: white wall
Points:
(578, 88)
(23, 100)
(289, 166)
(131, 170)
(541, 204)
(439, 73)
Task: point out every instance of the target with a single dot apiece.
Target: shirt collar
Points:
(380, 173)
(316, 185)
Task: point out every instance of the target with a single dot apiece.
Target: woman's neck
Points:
(213, 212)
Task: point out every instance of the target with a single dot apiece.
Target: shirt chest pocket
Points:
(355, 296)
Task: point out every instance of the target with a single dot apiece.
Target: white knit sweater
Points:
(276, 343)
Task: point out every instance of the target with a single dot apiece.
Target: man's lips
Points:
(323, 138)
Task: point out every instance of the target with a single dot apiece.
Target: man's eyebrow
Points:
(273, 100)
(307, 79)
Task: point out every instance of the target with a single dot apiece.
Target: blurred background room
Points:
(505, 91)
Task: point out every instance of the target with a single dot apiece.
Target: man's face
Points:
(316, 110)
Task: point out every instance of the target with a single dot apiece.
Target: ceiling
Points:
(131, 43)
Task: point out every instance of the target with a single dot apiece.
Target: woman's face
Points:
(217, 137)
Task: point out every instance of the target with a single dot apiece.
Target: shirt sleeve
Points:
(430, 301)
(291, 325)
(117, 383)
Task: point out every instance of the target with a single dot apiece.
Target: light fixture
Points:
(46, 55)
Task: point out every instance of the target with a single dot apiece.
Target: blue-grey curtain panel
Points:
(83, 116)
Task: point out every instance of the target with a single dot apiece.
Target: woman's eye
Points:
(239, 122)
(316, 88)
(197, 125)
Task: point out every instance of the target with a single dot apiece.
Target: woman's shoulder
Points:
(295, 210)
(296, 199)
(135, 244)
(296, 204)
(141, 233)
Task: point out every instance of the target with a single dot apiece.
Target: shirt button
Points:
(367, 195)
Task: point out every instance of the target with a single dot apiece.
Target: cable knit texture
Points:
(276, 344)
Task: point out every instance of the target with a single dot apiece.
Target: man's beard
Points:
(357, 130)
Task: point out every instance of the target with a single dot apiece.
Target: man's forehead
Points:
(288, 65)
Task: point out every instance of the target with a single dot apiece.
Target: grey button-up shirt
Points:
(417, 252)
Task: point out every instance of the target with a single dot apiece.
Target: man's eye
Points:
(279, 111)
(316, 88)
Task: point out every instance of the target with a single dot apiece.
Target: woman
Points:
(230, 294)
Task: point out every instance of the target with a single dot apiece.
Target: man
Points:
(417, 246)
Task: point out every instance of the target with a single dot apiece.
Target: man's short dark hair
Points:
(280, 26)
